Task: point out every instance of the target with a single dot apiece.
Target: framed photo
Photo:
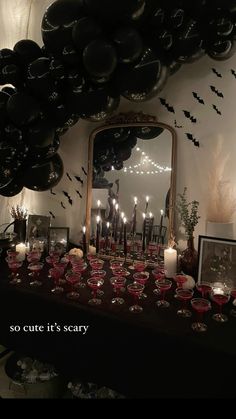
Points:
(37, 231)
(216, 260)
(58, 239)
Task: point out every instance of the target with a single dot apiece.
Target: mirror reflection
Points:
(132, 187)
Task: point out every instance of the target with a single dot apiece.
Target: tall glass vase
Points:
(189, 259)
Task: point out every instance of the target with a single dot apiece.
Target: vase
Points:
(20, 230)
(220, 230)
(188, 260)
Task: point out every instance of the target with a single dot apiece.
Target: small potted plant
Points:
(188, 213)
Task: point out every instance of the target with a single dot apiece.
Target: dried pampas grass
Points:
(221, 196)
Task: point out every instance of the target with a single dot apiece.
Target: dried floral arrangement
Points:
(188, 212)
(221, 204)
(19, 213)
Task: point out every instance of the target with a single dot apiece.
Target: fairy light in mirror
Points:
(147, 166)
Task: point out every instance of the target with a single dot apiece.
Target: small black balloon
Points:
(22, 109)
(27, 51)
(99, 58)
(44, 176)
(7, 56)
(222, 49)
(13, 134)
(57, 69)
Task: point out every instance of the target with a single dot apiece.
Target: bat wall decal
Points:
(51, 213)
(217, 92)
(79, 179)
(67, 174)
(166, 104)
(191, 138)
(216, 109)
(199, 99)
(188, 115)
(216, 72)
(84, 171)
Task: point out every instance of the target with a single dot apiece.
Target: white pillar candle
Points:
(21, 249)
(170, 262)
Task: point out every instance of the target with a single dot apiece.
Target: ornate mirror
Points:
(132, 174)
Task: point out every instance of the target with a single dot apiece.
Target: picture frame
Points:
(216, 260)
(58, 239)
(37, 231)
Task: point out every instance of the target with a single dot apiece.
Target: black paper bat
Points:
(79, 179)
(84, 171)
(233, 72)
(62, 205)
(216, 72)
(217, 92)
(177, 126)
(188, 115)
(78, 192)
(199, 99)
(51, 213)
(68, 197)
(67, 174)
(216, 109)
(51, 191)
(166, 104)
(191, 137)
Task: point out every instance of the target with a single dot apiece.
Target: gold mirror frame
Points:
(132, 119)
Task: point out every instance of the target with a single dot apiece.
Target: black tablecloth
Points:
(152, 354)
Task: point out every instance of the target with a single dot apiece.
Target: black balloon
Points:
(7, 56)
(114, 10)
(44, 176)
(11, 74)
(57, 69)
(129, 44)
(14, 187)
(13, 134)
(99, 58)
(38, 155)
(85, 31)
(40, 134)
(27, 51)
(69, 55)
(112, 105)
(9, 90)
(147, 132)
(222, 49)
(22, 109)
(4, 97)
(58, 22)
(39, 78)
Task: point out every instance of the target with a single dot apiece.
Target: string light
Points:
(139, 168)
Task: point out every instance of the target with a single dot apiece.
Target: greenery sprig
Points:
(188, 212)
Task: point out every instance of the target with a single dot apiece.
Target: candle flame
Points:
(84, 229)
(108, 224)
(122, 215)
(144, 215)
(150, 214)
(98, 203)
(114, 202)
(98, 218)
(116, 207)
(147, 198)
(135, 200)
(125, 220)
(162, 212)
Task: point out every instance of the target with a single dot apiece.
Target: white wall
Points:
(193, 162)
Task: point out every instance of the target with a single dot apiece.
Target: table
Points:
(150, 355)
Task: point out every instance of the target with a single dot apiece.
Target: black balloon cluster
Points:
(94, 52)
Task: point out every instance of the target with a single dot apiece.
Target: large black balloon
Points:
(222, 49)
(44, 176)
(12, 188)
(85, 31)
(27, 51)
(129, 44)
(189, 45)
(58, 22)
(147, 132)
(22, 109)
(99, 58)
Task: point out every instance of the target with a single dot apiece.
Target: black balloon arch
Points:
(94, 52)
